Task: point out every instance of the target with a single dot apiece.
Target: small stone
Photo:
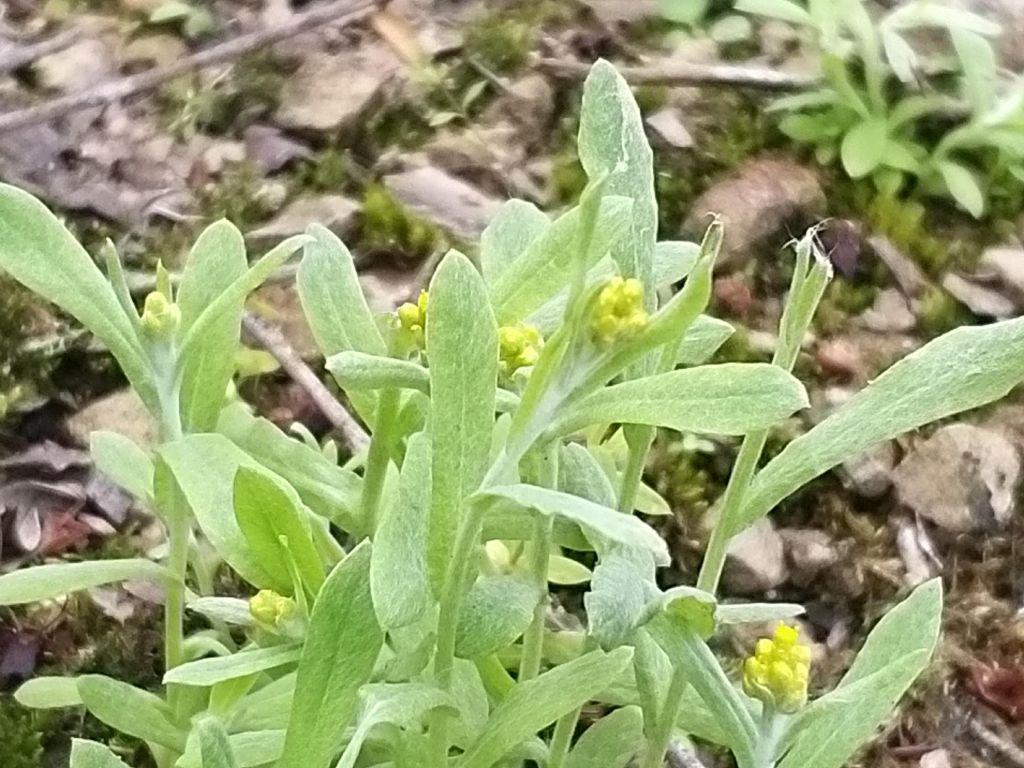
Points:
(623, 12)
(668, 126)
(937, 758)
(808, 553)
(1006, 264)
(869, 475)
(335, 212)
(121, 411)
(333, 93)
(764, 200)
(778, 40)
(963, 478)
(908, 275)
(152, 51)
(529, 105)
(890, 313)
(839, 357)
(271, 150)
(452, 203)
(981, 300)
(222, 154)
(756, 560)
(79, 66)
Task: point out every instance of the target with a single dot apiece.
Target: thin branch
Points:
(13, 57)
(340, 11)
(272, 340)
(688, 73)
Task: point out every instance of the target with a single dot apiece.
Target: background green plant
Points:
(421, 637)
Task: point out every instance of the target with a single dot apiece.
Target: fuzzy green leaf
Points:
(864, 146)
(966, 368)
(730, 399)
(606, 523)
(611, 742)
(332, 298)
(613, 145)
(49, 693)
(341, 647)
(217, 669)
(130, 710)
(535, 704)
(121, 460)
(462, 345)
(39, 252)
(895, 653)
(398, 573)
(495, 612)
(216, 261)
(702, 339)
(214, 745)
(42, 582)
(544, 269)
(266, 515)
(91, 754)
(507, 237)
(964, 187)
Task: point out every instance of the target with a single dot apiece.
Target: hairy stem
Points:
(659, 737)
(377, 458)
(561, 738)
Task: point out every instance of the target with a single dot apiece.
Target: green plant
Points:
(882, 116)
(512, 409)
(194, 20)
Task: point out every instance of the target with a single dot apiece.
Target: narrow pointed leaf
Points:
(130, 710)
(507, 237)
(42, 582)
(217, 669)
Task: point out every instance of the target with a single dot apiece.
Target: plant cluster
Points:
(954, 125)
(400, 611)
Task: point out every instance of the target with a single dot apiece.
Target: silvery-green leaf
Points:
(39, 252)
(214, 746)
(276, 529)
(42, 582)
(897, 650)
(673, 260)
(338, 656)
(121, 460)
(613, 145)
(359, 371)
(963, 369)
(544, 269)
(327, 489)
(90, 754)
(730, 399)
(462, 346)
(580, 474)
(495, 612)
(611, 742)
(621, 589)
(217, 669)
(398, 572)
(757, 613)
(251, 749)
(49, 693)
(702, 339)
(608, 524)
(535, 704)
(332, 298)
(692, 608)
(230, 610)
(130, 710)
(516, 224)
(216, 261)
(565, 571)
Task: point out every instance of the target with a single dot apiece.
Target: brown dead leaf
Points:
(399, 34)
(1001, 689)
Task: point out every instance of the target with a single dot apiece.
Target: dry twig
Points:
(340, 11)
(272, 340)
(13, 57)
(688, 73)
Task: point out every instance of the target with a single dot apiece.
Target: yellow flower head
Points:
(412, 319)
(160, 316)
(272, 610)
(520, 347)
(778, 671)
(620, 312)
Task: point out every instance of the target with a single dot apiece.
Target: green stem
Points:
(448, 618)
(533, 639)
(633, 474)
(561, 738)
(769, 732)
(661, 735)
(377, 458)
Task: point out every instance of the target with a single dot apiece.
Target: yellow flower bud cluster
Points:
(620, 312)
(412, 319)
(777, 673)
(160, 316)
(520, 347)
(272, 610)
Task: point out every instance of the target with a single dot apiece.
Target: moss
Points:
(22, 741)
(939, 312)
(389, 225)
(651, 98)
(237, 197)
(258, 79)
(328, 171)
(502, 38)
(567, 178)
(23, 370)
